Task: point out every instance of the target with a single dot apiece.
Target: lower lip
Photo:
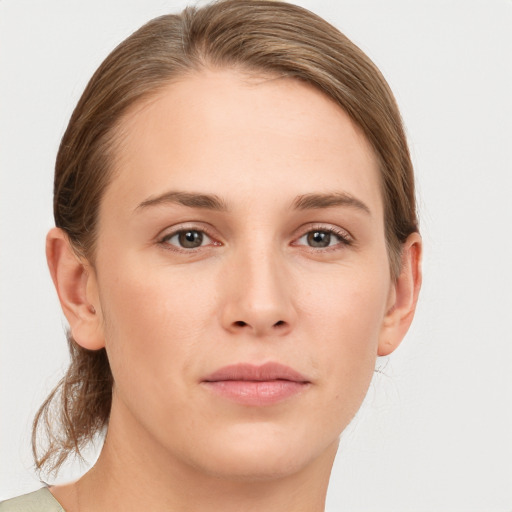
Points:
(256, 393)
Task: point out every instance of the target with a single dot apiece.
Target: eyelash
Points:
(164, 241)
(344, 239)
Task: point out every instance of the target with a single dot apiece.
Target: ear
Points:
(75, 282)
(403, 297)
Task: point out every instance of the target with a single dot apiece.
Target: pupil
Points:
(190, 239)
(319, 239)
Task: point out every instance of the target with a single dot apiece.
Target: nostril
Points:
(240, 324)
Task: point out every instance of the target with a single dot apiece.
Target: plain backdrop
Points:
(435, 432)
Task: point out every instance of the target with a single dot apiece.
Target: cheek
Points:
(154, 321)
(344, 318)
(347, 304)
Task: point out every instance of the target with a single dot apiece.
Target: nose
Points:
(258, 295)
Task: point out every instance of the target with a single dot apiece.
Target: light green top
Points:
(37, 501)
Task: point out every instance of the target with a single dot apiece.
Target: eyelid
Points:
(167, 233)
(345, 237)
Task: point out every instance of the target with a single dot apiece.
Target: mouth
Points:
(254, 385)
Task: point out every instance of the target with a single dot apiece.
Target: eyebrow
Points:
(190, 199)
(330, 200)
(213, 202)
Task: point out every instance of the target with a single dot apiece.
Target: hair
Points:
(274, 38)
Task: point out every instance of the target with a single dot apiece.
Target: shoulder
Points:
(37, 501)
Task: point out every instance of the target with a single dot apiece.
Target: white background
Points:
(435, 433)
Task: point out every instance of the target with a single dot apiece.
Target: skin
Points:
(254, 291)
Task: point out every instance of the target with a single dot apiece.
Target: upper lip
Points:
(259, 373)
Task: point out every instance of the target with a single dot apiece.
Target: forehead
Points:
(225, 131)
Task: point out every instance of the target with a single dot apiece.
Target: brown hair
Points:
(276, 38)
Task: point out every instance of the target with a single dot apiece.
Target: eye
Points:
(323, 238)
(188, 239)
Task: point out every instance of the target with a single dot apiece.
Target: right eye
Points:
(188, 239)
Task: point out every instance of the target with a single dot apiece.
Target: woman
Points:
(236, 241)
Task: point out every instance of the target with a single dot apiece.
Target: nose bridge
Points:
(260, 300)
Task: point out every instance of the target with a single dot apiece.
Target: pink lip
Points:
(249, 384)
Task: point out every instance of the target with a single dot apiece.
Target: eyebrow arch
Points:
(317, 201)
(189, 199)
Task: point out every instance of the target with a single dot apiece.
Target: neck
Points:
(133, 474)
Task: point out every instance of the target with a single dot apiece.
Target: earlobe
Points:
(403, 297)
(75, 284)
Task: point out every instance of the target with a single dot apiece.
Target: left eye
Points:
(320, 239)
(188, 239)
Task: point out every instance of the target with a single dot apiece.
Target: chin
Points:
(265, 455)
(255, 467)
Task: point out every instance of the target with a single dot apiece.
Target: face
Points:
(241, 278)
